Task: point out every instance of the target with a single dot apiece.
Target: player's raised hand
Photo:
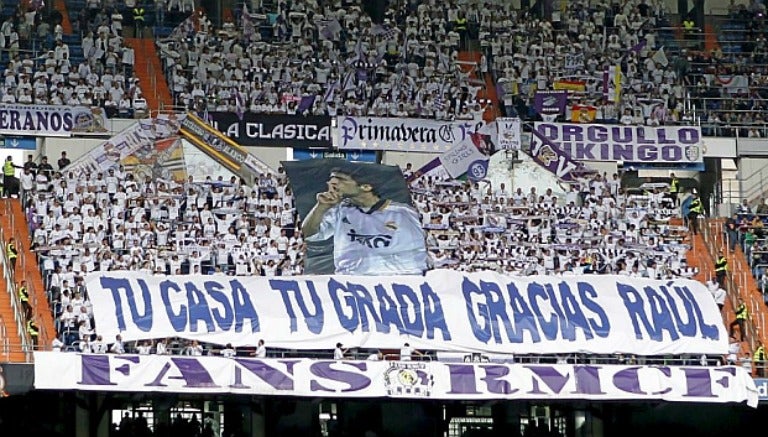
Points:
(328, 198)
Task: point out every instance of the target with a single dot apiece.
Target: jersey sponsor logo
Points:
(371, 241)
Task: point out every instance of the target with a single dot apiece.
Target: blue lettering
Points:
(388, 311)
(347, 322)
(433, 313)
(497, 310)
(634, 303)
(142, 321)
(243, 307)
(216, 292)
(660, 314)
(178, 321)
(586, 293)
(314, 321)
(482, 333)
(198, 309)
(404, 293)
(707, 331)
(549, 326)
(523, 316)
(364, 303)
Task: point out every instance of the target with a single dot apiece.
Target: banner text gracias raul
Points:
(444, 310)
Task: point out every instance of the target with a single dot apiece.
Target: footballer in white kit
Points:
(371, 235)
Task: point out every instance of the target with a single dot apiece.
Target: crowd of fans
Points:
(341, 62)
(327, 58)
(112, 221)
(42, 69)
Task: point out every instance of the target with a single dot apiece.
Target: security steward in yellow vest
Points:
(33, 331)
(9, 177)
(24, 299)
(11, 253)
(460, 26)
(694, 211)
(688, 26)
(759, 360)
(742, 314)
(721, 268)
(138, 20)
(674, 188)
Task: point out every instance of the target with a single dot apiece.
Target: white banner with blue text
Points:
(391, 379)
(45, 120)
(598, 142)
(443, 310)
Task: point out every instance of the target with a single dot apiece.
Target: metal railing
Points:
(10, 279)
(5, 345)
(737, 281)
(753, 187)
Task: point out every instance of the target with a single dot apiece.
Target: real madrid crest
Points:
(409, 380)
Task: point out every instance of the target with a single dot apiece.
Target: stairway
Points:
(149, 70)
(470, 62)
(14, 223)
(740, 283)
(9, 329)
(66, 23)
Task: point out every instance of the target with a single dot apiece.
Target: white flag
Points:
(660, 57)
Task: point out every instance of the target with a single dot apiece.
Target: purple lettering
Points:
(584, 151)
(95, 370)
(641, 136)
(572, 133)
(688, 135)
(647, 153)
(628, 380)
(550, 376)
(698, 381)
(192, 372)
(276, 378)
(494, 382)
(661, 136)
(462, 379)
(623, 153)
(597, 133)
(587, 380)
(616, 134)
(548, 131)
(671, 153)
(354, 380)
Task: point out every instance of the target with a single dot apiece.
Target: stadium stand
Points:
(115, 222)
(340, 62)
(330, 58)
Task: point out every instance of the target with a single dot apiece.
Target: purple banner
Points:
(553, 159)
(550, 102)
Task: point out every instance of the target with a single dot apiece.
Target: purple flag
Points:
(550, 102)
(306, 103)
(555, 160)
(637, 48)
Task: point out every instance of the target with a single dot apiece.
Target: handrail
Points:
(737, 284)
(11, 286)
(5, 345)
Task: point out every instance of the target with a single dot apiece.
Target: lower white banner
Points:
(393, 379)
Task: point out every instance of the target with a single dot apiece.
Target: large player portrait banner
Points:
(598, 142)
(443, 310)
(403, 134)
(357, 218)
(50, 120)
(390, 379)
